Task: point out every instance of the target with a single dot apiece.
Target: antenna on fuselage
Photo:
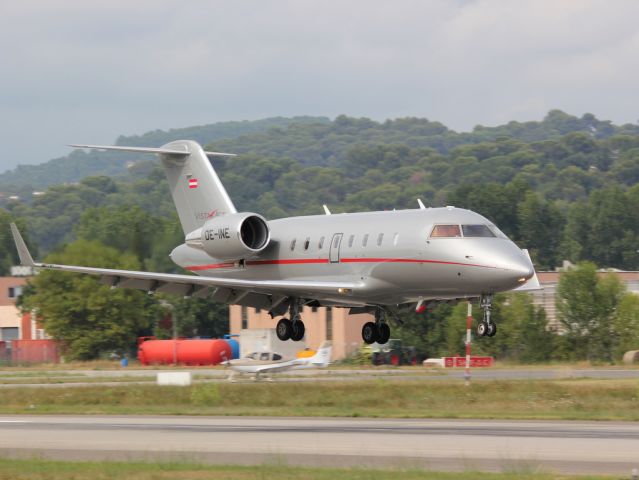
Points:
(326, 210)
(421, 204)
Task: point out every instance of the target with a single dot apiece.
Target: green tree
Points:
(626, 325)
(540, 228)
(198, 317)
(529, 340)
(129, 229)
(89, 318)
(586, 306)
(427, 331)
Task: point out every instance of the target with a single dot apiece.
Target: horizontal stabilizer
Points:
(166, 151)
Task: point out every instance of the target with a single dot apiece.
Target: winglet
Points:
(421, 204)
(23, 251)
(326, 210)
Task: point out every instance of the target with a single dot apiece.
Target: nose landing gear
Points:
(486, 328)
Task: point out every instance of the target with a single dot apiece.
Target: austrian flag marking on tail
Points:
(192, 182)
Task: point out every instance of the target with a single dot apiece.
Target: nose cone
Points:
(517, 268)
(524, 270)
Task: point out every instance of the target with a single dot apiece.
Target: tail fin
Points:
(197, 191)
(323, 356)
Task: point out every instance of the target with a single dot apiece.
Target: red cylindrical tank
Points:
(188, 352)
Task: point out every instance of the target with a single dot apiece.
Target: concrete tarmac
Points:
(510, 446)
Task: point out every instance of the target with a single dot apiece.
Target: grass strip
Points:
(37, 469)
(575, 399)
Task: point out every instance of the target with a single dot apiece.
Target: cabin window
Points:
(477, 231)
(380, 238)
(365, 240)
(321, 243)
(351, 239)
(293, 244)
(307, 242)
(277, 356)
(446, 231)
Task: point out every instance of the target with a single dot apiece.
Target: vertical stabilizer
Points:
(323, 356)
(197, 191)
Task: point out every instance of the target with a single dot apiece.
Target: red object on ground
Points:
(25, 326)
(188, 352)
(35, 351)
(460, 362)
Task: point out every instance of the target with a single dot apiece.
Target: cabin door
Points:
(334, 250)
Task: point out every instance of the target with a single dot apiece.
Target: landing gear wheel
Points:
(298, 330)
(384, 333)
(492, 330)
(482, 329)
(284, 329)
(369, 333)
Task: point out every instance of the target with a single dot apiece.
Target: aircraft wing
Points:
(275, 367)
(229, 290)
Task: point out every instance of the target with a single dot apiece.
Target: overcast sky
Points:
(79, 71)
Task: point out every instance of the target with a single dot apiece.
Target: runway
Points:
(512, 446)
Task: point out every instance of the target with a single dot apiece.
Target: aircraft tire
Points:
(297, 331)
(482, 329)
(370, 333)
(492, 330)
(384, 333)
(284, 329)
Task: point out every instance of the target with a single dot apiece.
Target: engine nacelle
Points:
(231, 237)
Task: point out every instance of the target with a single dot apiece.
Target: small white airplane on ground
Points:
(258, 363)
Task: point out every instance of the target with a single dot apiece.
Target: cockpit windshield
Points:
(445, 231)
(466, 231)
(477, 231)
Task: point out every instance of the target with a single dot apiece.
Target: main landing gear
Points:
(377, 331)
(486, 328)
(293, 329)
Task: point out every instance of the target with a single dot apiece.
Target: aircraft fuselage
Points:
(392, 254)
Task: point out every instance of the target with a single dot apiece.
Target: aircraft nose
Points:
(521, 268)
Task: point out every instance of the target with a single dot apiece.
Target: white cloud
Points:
(86, 71)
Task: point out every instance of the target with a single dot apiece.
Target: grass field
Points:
(582, 399)
(35, 469)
